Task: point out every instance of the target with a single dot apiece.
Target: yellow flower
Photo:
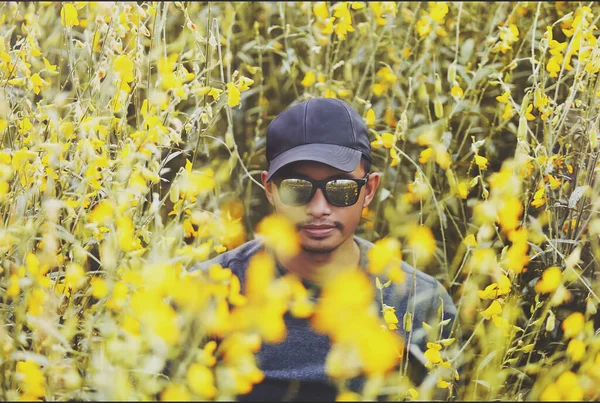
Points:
(576, 350)
(395, 157)
(553, 65)
(425, 155)
(508, 111)
(215, 93)
(68, 16)
(494, 290)
(528, 114)
(124, 66)
(320, 9)
(423, 26)
(539, 198)
(456, 91)
(369, 117)
(554, 183)
(390, 317)
(309, 79)
(38, 83)
(503, 99)
(442, 384)
(432, 354)
(233, 95)
(481, 161)
(551, 279)
(470, 240)
(386, 140)
(462, 189)
(573, 324)
(344, 20)
(438, 10)
(494, 309)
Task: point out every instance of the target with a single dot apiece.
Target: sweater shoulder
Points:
(237, 257)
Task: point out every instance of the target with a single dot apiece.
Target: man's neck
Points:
(319, 267)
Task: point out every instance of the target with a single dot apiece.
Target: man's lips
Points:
(318, 230)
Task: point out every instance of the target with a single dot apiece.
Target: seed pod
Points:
(174, 193)
(422, 93)
(551, 322)
(452, 73)
(438, 84)
(438, 108)
(522, 130)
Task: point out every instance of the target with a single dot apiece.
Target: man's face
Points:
(336, 224)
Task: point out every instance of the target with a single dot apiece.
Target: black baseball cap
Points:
(325, 130)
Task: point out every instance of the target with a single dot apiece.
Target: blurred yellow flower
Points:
(74, 276)
(174, 392)
(99, 287)
(320, 10)
(101, 213)
(470, 240)
(551, 279)
(309, 79)
(201, 381)
(124, 66)
(576, 350)
(426, 155)
(348, 396)
(279, 234)
(422, 243)
(456, 91)
(573, 325)
(438, 10)
(32, 379)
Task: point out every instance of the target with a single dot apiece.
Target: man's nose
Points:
(318, 206)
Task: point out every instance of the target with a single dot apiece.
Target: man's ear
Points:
(371, 187)
(268, 186)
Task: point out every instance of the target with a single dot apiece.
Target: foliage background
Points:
(133, 138)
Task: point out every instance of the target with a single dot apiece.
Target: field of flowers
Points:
(132, 137)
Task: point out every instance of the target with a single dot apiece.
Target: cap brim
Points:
(343, 158)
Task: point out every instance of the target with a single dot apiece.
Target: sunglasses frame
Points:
(321, 184)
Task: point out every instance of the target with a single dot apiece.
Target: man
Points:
(318, 176)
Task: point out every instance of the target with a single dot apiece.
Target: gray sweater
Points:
(295, 368)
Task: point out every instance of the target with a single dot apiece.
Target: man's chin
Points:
(320, 245)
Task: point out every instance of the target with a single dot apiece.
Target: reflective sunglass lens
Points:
(295, 191)
(342, 192)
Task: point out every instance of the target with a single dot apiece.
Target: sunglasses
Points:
(338, 192)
